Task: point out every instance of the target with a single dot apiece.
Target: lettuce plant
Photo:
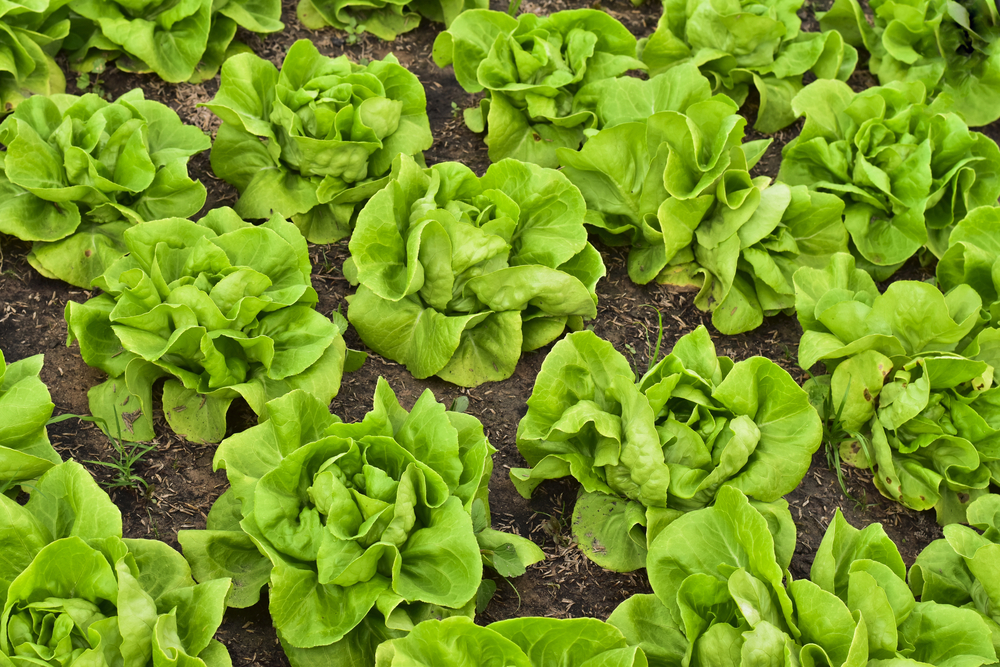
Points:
(723, 596)
(911, 381)
(516, 642)
(31, 33)
(533, 67)
(950, 47)
(744, 43)
(361, 530)
(25, 408)
(176, 41)
(79, 171)
(973, 258)
(961, 568)
(677, 188)
(383, 18)
(219, 307)
(458, 274)
(907, 171)
(315, 140)
(73, 592)
(645, 453)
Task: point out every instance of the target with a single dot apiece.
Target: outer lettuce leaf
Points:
(25, 406)
(74, 592)
(517, 642)
(972, 258)
(952, 48)
(907, 171)
(78, 171)
(221, 308)
(912, 375)
(178, 41)
(744, 43)
(31, 33)
(677, 188)
(363, 530)
(723, 596)
(533, 67)
(313, 141)
(646, 453)
(383, 18)
(473, 271)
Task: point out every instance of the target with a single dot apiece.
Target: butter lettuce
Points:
(951, 47)
(221, 308)
(723, 596)
(457, 275)
(742, 43)
(911, 380)
(907, 171)
(25, 409)
(645, 453)
(313, 141)
(676, 187)
(516, 642)
(31, 33)
(78, 171)
(73, 592)
(383, 18)
(532, 68)
(973, 258)
(361, 530)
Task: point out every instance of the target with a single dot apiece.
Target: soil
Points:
(182, 486)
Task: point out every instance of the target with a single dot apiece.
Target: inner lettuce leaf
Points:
(676, 187)
(31, 33)
(911, 375)
(739, 44)
(516, 642)
(645, 453)
(951, 47)
(907, 171)
(360, 530)
(533, 67)
(722, 595)
(313, 141)
(177, 41)
(220, 308)
(383, 18)
(78, 171)
(73, 592)
(25, 409)
(457, 275)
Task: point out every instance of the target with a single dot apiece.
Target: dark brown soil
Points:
(182, 485)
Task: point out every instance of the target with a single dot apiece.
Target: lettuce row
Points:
(177, 41)
(676, 186)
(383, 18)
(361, 530)
(73, 592)
(973, 258)
(313, 141)
(221, 308)
(457, 275)
(911, 381)
(723, 596)
(516, 642)
(906, 170)
(645, 453)
(532, 68)
(25, 409)
(744, 43)
(31, 33)
(79, 171)
(951, 47)
(961, 569)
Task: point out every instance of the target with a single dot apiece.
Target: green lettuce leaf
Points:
(25, 406)
(31, 33)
